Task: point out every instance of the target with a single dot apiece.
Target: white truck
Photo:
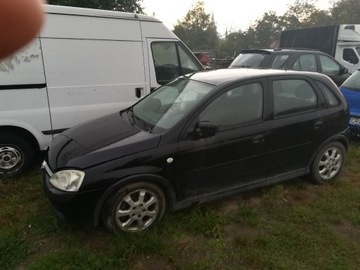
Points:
(84, 64)
(340, 41)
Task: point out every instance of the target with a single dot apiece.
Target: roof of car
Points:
(220, 76)
(266, 50)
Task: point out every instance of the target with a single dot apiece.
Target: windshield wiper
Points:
(143, 123)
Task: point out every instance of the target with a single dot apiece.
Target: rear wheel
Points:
(16, 155)
(134, 208)
(328, 163)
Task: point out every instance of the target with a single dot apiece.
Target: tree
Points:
(267, 30)
(197, 30)
(303, 13)
(118, 5)
(346, 11)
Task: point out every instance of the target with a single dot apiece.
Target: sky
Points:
(232, 15)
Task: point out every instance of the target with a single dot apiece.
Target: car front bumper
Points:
(75, 208)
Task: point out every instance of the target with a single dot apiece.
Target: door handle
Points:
(258, 139)
(318, 124)
(138, 92)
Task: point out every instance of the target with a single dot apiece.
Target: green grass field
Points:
(294, 225)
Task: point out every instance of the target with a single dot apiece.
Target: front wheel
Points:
(16, 155)
(134, 208)
(328, 163)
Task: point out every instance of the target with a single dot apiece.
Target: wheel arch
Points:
(340, 138)
(27, 135)
(161, 182)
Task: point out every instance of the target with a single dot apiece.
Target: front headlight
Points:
(67, 180)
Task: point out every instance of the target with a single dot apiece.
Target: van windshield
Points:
(170, 104)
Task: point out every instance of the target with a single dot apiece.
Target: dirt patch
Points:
(143, 262)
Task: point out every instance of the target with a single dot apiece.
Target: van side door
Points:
(168, 60)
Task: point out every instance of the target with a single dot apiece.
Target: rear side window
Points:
(251, 60)
(280, 61)
(330, 97)
(293, 96)
(306, 62)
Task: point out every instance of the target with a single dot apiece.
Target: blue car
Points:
(351, 90)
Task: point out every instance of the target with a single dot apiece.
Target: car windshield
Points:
(169, 104)
(252, 60)
(353, 82)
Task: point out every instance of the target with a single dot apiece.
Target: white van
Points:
(84, 64)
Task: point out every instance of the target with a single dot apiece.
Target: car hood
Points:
(98, 141)
(353, 99)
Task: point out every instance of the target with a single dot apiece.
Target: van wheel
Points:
(328, 163)
(134, 208)
(16, 155)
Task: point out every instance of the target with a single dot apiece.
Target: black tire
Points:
(16, 155)
(142, 204)
(328, 163)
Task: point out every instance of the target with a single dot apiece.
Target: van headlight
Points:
(67, 180)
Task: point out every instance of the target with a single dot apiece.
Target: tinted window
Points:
(350, 56)
(240, 105)
(280, 61)
(329, 66)
(293, 96)
(248, 60)
(306, 62)
(330, 97)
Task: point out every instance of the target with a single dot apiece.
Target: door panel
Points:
(295, 127)
(236, 155)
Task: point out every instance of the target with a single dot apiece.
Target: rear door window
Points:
(306, 62)
(279, 61)
(293, 96)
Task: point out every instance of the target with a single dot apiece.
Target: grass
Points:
(294, 225)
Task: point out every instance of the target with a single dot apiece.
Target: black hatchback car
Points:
(292, 59)
(199, 138)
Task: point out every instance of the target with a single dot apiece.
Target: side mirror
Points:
(205, 129)
(343, 70)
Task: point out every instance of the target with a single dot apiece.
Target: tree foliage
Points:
(197, 29)
(265, 31)
(118, 5)
(346, 11)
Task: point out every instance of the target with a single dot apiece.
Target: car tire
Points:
(134, 208)
(328, 163)
(16, 155)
